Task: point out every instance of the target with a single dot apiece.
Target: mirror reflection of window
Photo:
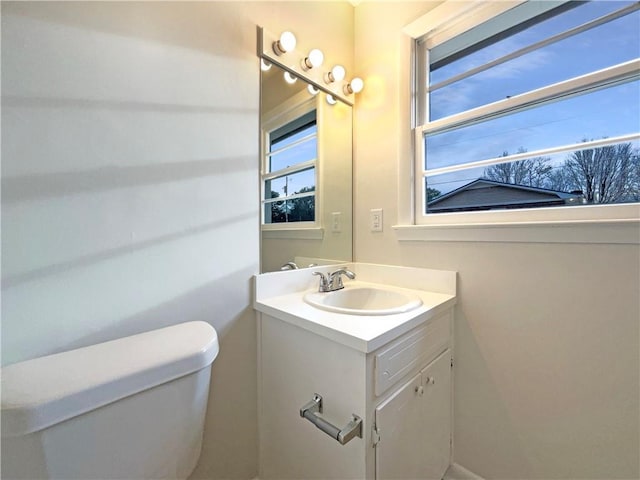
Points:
(290, 177)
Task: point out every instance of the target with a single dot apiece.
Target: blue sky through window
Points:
(291, 154)
(552, 26)
(302, 152)
(604, 113)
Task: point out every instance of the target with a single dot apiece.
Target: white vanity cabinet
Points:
(414, 426)
(401, 390)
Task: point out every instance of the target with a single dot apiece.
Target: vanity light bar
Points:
(306, 66)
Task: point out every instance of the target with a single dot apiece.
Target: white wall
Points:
(547, 335)
(129, 182)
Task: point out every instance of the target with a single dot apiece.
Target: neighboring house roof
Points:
(485, 194)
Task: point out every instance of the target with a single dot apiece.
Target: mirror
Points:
(306, 174)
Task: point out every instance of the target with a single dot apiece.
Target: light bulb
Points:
(264, 65)
(355, 86)
(316, 57)
(312, 90)
(331, 100)
(290, 78)
(286, 43)
(336, 74)
(313, 60)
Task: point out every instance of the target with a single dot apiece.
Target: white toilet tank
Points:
(131, 408)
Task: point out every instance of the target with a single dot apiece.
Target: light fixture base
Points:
(277, 48)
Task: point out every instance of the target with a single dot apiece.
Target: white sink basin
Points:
(361, 300)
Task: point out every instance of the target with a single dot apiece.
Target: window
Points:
(535, 107)
(289, 169)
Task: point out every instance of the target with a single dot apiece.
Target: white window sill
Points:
(315, 233)
(625, 231)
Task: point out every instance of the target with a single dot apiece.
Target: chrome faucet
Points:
(289, 266)
(333, 281)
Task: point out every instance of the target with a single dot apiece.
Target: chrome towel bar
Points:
(342, 435)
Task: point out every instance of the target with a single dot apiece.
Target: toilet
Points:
(131, 408)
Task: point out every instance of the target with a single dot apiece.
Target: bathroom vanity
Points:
(389, 375)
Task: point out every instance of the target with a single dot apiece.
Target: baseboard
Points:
(458, 472)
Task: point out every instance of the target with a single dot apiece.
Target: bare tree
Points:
(533, 172)
(560, 181)
(603, 174)
(633, 183)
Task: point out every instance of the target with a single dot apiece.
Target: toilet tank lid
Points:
(44, 391)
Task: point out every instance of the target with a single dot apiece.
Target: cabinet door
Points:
(414, 425)
(436, 416)
(399, 451)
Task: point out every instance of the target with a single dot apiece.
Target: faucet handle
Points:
(324, 283)
(345, 272)
(335, 278)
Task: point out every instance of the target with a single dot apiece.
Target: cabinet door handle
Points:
(419, 390)
(430, 380)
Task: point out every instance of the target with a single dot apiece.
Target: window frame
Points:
(287, 112)
(445, 22)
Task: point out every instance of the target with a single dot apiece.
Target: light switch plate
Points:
(336, 221)
(375, 220)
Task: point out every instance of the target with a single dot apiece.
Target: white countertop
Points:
(365, 333)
